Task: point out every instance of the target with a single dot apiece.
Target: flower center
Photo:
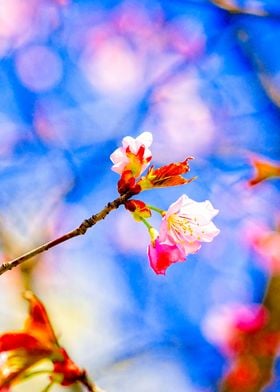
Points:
(180, 226)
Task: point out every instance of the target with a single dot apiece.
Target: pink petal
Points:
(188, 222)
(161, 256)
(191, 247)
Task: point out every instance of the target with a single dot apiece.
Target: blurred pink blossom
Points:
(265, 242)
(227, 325)
(250, 337)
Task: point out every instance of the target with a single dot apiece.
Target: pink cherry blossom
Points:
(162, 255)
(184, 226)
(134, 155)
(188, 223)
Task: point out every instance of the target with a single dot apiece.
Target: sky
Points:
(75, 78)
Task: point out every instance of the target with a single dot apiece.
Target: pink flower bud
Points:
(162, 255)
(134, 155)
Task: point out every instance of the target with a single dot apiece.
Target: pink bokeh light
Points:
(39, 68)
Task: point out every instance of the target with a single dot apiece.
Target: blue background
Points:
(75, 78)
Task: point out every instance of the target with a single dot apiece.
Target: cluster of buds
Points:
(184, 225)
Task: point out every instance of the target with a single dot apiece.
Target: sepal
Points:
(139, 209)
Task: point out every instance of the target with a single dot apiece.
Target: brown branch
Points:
(84, 226)
(90, 385)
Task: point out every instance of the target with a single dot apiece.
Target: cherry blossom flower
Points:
(188, 223)
(134, 155)
(21, 350)
(184, 226)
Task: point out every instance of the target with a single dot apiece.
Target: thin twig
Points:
(91, 386)
(82, 229)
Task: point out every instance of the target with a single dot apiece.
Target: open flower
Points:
(188, 223)
(23, 349)
(184, 226)
(134, 155)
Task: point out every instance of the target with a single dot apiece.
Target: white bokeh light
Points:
(113, 68)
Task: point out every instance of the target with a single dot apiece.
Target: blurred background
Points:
(75, 78)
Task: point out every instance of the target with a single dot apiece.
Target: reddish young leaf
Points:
(38, 321)
(20, 340)
(173, 169)
(37, 341)
(169, 175)
(264, 170)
